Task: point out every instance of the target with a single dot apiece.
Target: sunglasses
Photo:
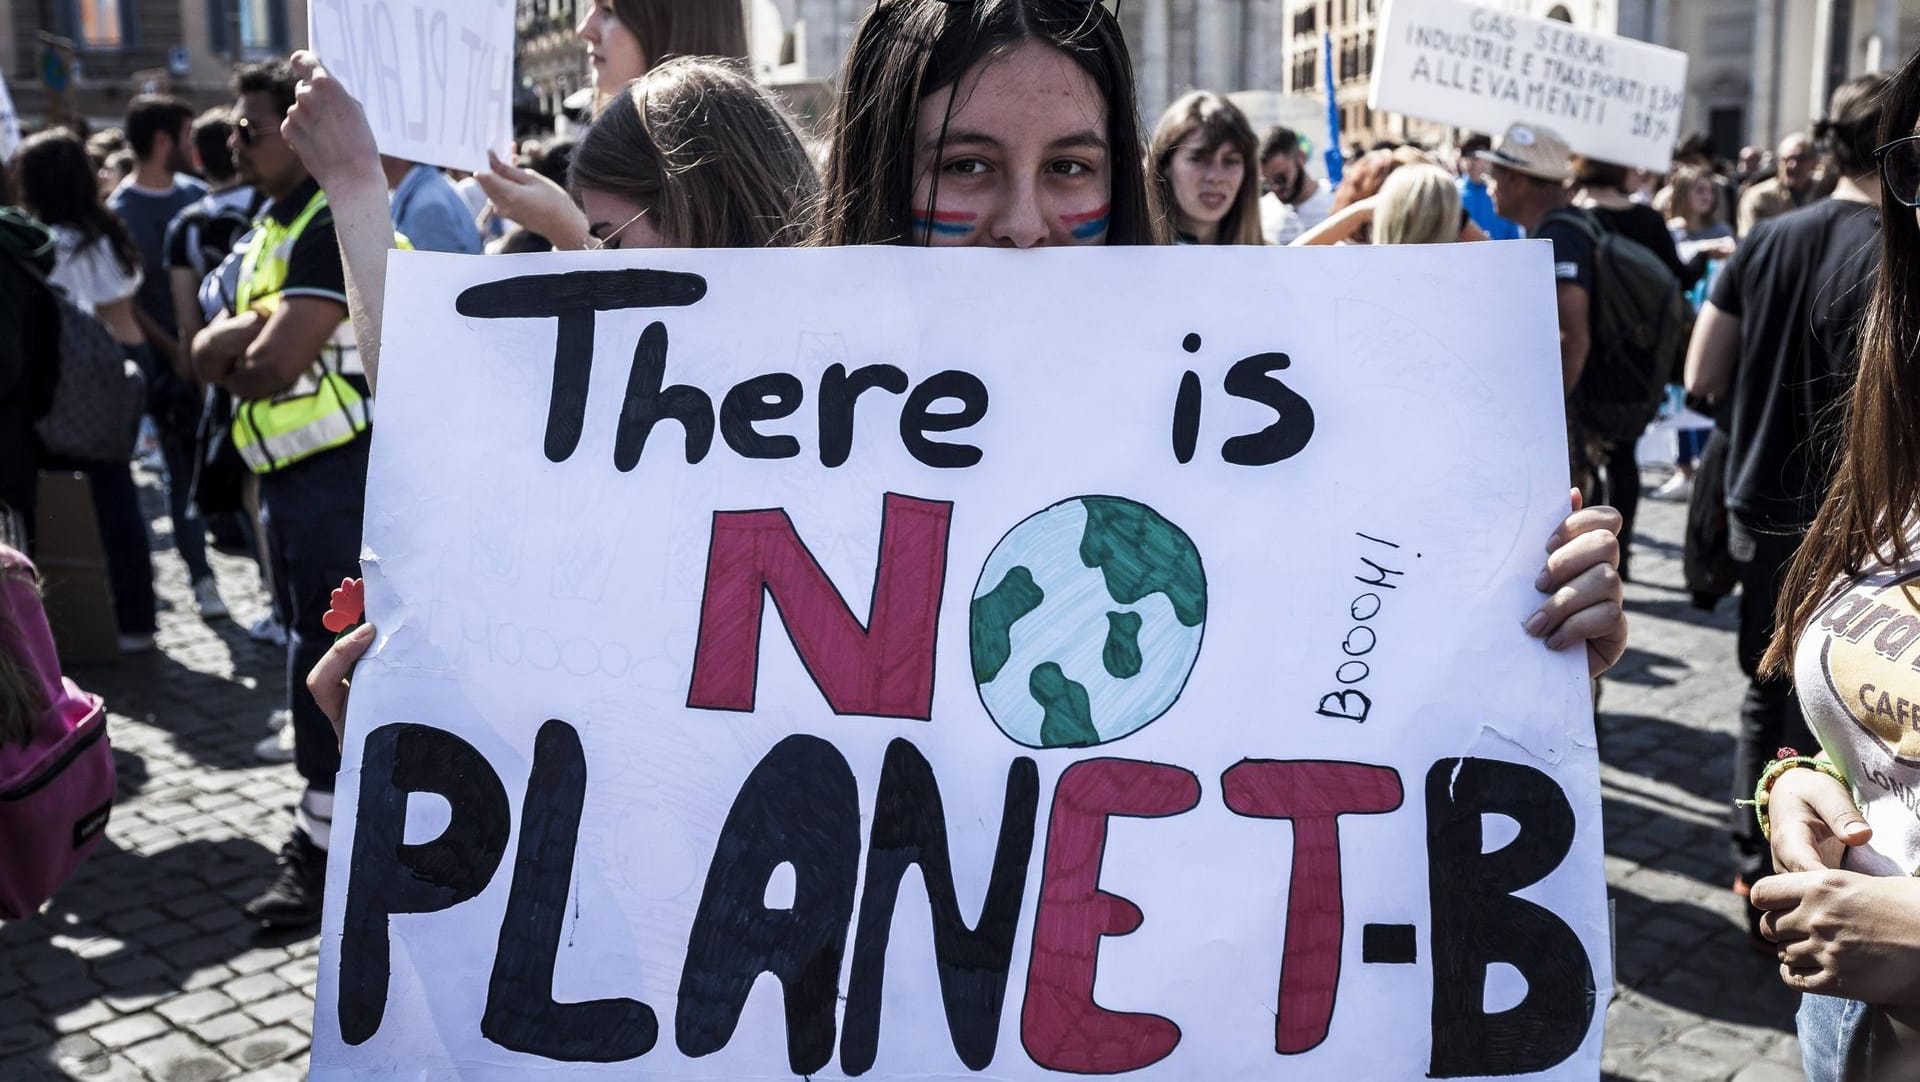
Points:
(249, 134)
(1900, 170)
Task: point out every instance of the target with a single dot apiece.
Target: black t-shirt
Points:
(1799, 284)
(1572, 248)
(313, 267)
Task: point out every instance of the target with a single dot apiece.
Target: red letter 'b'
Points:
(884, 669)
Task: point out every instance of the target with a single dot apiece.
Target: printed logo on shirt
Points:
(1567, 272)
(1871, 657)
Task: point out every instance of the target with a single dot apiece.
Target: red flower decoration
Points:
(348, 606)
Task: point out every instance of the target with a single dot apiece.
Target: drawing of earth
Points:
(1086, 622)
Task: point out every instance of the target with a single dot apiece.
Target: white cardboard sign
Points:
(971, 665)
(1459, 63)
(434, 76)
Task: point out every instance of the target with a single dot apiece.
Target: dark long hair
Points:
(670, 28)
(1209, 121)
(708, 153)
(53, 178)
(904, 50)
(1876, 485)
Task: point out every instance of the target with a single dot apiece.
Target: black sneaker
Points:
(292, 900)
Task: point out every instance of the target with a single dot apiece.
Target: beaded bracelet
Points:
(1786, 759)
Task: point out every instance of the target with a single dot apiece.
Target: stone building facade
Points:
(82, 60)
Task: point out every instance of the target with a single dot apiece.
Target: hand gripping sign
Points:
(965, 664)
(435, 77)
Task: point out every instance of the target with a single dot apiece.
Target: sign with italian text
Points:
(435, 77)
(971, 665)
(1460, 63)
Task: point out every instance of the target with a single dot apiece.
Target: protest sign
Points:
(1458, 63)
(434, 76)
(973, 665)
(9, 122)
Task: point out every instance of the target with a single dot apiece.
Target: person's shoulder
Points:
(1568, 223)
(1816, 219)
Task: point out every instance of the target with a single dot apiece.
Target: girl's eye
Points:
(966, 167)
(1071, 168)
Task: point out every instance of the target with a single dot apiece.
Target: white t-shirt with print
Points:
(90, 271)
(1857, 672)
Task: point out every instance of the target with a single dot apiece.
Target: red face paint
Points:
(1089, 225)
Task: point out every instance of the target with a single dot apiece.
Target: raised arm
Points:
(329, 131)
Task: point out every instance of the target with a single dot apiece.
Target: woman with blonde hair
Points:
(1418, 204)
(1205, 171)
(1409, 200)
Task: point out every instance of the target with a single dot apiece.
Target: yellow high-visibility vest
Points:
(322, 410)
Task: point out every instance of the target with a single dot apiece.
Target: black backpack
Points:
(1640, 326)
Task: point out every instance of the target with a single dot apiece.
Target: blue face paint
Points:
(945, 223)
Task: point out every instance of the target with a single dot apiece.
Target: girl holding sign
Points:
(1006, 123)
(1844, 826)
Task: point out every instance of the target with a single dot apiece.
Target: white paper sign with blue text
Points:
(1472, 66)
(435, 77)
(949, 665)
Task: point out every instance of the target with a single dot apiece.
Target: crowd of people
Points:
(237, 255)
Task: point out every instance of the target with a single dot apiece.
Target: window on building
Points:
(1727, 35)
(1560, 14)
(1727, 127)
(99, 24)
(261, 25)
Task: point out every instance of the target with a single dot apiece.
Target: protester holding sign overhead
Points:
(692, 155)
(624, 39)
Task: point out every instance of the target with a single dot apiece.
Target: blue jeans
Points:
(1836, 1038)
(189, 530)
(126, 545)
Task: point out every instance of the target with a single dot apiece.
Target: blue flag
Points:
(1335, 161)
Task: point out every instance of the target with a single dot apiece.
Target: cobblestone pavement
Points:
(144, 969)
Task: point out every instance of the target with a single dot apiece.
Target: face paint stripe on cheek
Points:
(945, 223)
(1088, 225)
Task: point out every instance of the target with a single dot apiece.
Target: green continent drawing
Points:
(1122, 653)
(1141, 553)
(994, 614)
(1086, 622)
(1069, 719)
